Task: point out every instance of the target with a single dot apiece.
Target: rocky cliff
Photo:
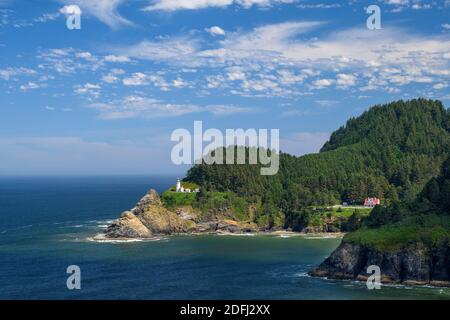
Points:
(150, 217)
(415, 263)
(408, 241)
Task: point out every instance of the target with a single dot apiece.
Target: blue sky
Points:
(104, 99)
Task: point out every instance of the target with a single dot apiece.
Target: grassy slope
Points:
(321, 215)
(173, 199)
(240, 207)
(209, 200)
(428, 228)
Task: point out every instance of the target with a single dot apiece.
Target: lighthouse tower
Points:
(178, 189)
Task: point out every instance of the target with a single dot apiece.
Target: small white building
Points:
(179, 188)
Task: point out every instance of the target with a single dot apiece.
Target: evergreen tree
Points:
(390, 152)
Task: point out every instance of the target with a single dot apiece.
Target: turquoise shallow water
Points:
(46, 224)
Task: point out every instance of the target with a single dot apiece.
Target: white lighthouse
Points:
(178, 189)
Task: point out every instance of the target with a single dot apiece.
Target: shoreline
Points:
(385, 282)
(101, 237)
(407, 265)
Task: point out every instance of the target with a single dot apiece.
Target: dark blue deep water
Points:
(46, 224)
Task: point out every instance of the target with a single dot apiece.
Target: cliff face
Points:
(413, 264)
(409, 242)
(149, 217)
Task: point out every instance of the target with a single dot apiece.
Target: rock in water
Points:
(149, 217)
(416, 263)
(151, 198)
(128, 226)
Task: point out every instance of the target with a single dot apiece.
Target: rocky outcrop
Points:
(415, 263)
(128, 226)
(225, 226)
(149, 218)
(326, 228)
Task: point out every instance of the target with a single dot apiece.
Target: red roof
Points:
(370, 202)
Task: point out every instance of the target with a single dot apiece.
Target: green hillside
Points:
(391, 151)
(427, 219)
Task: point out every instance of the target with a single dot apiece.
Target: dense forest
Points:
(434, 199)
(391, 151)
(426, 219)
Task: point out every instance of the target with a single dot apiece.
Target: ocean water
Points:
(47, 224)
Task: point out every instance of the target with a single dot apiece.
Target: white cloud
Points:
(47, 17)
(30, 85)
(110, 78)
(71, 9)
(86, 56)
(356, 49)
(68, 60)
(7, 18)
(179, 83)
(269, 38)
(137, 79)
(273, 60)
(415, 57)
(345, 80)
(322, 83)
(236, 73)
(261, 85)
(261, 43)
(326, 103)
(117, 71)
(439, 86)
(155, 79)
(319, 5)
(400, 5)
(215, 31)
(419, 6)
(173, 50)
(88, 88)
(4, 17)
(173, 5)
(225, 110)
(215, 81)
(12, 72)
(170, 5)
(119, 59)
(288, 77)
(446, 26)
(397, 2)
(137, 106)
